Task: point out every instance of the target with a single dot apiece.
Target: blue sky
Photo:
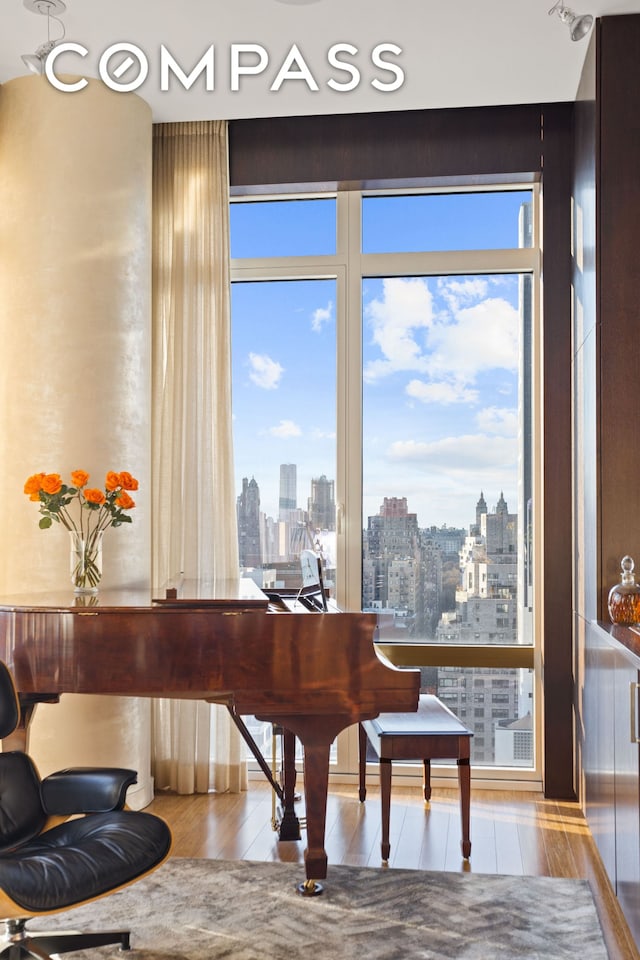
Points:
(284, 383)
(440, 360)
(440, 394)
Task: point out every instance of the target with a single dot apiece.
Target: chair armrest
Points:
(86, 790)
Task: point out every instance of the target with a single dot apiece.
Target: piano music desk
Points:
(433, 733)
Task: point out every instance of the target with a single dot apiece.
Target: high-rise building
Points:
(496, 703)
(322, 504)
(486, 610)
(429, 604)
(393, 535)
(393, 532)
(403, 591)
(248, 514)
(448, 539)
(288, 490)
(481, 510)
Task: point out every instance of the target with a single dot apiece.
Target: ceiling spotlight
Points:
(579, 25)
(51, 9)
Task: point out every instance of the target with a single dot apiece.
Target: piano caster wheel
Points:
(310, 888)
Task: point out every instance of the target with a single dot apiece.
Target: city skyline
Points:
(302, 502)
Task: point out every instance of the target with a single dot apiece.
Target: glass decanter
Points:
(624, 597)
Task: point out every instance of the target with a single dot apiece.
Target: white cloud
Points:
(285, 430)
(470, 452)
(498, 420)
(265, 372)
(321, 316)
(458, 292)
(451, 346)
(406, 307)
(482, 337)
(441, 391)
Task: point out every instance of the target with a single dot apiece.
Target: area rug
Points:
(241, 910)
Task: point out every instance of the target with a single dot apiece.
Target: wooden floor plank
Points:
(508, 853)
(407, 825)
(556, 840)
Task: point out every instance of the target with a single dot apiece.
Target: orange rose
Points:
(112, 481)
(79, 478)
(127, 482)
(94, 496)
(124, 501)
(51, 483)
(33, 485)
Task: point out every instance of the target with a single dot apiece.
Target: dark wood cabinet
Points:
(627, 789)
(612, 758)
(598, 756)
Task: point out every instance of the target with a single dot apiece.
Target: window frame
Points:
(349, 267)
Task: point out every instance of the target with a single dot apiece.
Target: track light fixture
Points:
(579, 25)
(52, 10)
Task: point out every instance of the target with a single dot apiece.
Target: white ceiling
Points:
(454, 52)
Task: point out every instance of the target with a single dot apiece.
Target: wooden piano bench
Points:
(433, 733)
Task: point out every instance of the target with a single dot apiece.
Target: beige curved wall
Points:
(75, 182)
(75, 202)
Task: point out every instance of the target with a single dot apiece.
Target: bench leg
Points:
(464, 779)
(385, 804)
(362, 762)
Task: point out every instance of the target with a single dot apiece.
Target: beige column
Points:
(75, 360)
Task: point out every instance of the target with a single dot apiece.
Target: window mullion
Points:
(463, 262)
(349, 485)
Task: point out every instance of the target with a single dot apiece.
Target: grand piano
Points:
(313, 675)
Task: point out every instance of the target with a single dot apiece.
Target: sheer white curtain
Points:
(194, 517)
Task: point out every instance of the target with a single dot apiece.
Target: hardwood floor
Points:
(511, 833)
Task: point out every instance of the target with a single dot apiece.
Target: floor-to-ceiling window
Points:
(384, 351)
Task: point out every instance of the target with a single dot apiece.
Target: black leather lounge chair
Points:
(47, 868)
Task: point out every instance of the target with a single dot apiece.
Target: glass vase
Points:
(624, 597)
(85, 562)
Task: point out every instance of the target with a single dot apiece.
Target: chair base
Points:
(18, 944)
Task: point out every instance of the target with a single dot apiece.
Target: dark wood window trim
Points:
(470, 145)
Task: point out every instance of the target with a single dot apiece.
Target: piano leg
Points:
(317, 733)
(316, 785)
